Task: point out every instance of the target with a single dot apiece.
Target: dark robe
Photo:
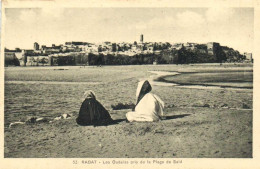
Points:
(93, 113)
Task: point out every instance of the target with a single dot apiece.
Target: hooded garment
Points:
(149, 107)
(91, 111)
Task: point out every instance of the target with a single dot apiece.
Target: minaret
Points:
(36, 46)
(142, 38)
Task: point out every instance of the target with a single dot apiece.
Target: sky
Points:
(233, 27)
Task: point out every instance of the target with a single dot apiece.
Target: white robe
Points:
(149, 108)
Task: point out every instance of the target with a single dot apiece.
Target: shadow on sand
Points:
(109, 123)
(117, 121)
(175, 116)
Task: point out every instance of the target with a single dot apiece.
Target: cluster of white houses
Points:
(46, 55)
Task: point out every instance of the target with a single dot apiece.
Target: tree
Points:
(100, 59)
(220, 55)
(148, 59)
(11, 60)
(92, 59)
(66, 60)
(182, 56)
(109, 59)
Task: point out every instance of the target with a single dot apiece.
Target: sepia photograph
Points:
(128, 82)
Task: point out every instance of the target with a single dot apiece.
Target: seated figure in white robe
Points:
(149, 107)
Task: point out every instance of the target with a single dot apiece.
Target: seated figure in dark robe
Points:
(92, 112)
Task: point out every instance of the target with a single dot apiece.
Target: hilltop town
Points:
(109, 53)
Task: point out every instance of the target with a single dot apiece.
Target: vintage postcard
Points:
(131, 84)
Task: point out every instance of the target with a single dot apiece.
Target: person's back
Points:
(149, 107)
(92, 112)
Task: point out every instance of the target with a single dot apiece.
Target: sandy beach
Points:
(194, 132)
(199, 122)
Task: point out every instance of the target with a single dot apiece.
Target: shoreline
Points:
(208, 122)
(159, 80)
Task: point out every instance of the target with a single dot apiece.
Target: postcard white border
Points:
(186, 162)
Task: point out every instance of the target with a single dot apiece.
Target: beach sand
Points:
(187, 132)
(199, 122)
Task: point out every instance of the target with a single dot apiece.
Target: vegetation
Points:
(12, 61)
(163, 55)
(181, 56)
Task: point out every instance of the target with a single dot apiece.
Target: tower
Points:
(36, 46)
(114, 47)
(141, 38)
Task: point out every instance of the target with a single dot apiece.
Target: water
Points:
(233, 82)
